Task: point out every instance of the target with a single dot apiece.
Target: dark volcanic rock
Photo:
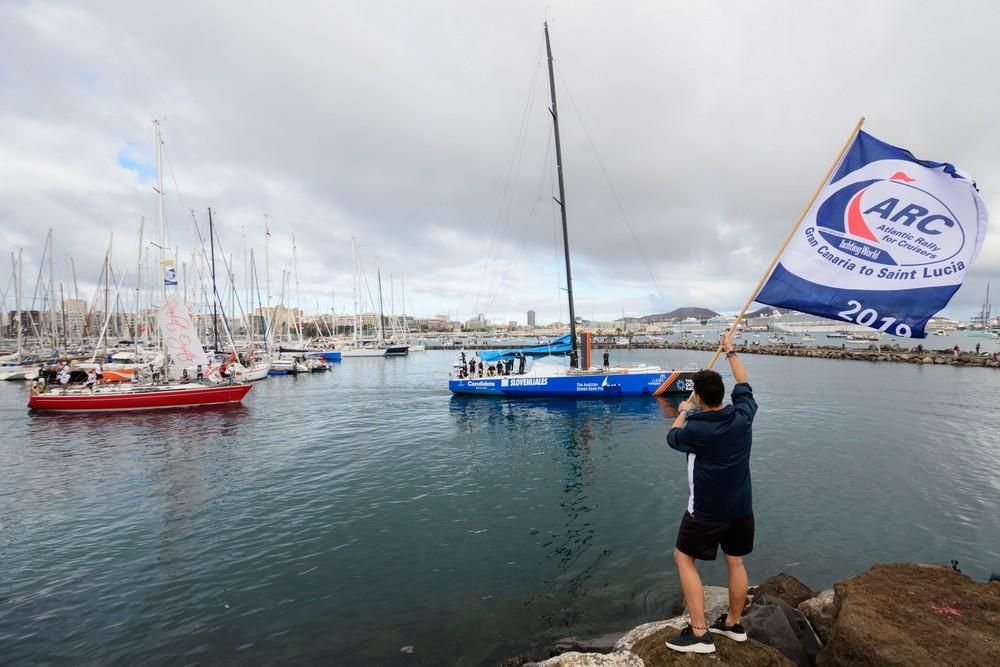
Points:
(906, 614)
(654, 653)
(787, 588)
(600, 644)
(771, 621)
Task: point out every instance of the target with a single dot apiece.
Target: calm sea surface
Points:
(366, 517)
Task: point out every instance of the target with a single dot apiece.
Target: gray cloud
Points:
(395, 123)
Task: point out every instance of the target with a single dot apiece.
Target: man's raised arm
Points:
(739, 373)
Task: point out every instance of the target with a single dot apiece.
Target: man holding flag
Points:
(716, 440)
(886, 242)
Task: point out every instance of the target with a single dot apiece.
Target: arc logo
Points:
(890, 221)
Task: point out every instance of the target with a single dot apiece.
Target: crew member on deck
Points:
(63, 376)
(520, 363)
(607, 360)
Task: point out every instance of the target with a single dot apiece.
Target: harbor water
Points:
(365, 516)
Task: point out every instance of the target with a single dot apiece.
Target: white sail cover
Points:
(179, 336)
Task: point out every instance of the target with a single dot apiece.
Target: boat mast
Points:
(159, 209)
(215, 309)
(52, 297)
(298, 292)
(381, 324)
(562, 193)
(18, 276)
(354, 266)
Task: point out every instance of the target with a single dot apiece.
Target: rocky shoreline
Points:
(876, 353)
(895, 614)
(884, 353)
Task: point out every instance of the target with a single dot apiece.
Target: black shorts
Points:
(701, 539)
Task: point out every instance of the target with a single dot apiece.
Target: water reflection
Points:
(583, 442)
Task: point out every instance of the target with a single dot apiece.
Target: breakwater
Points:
(873, 353)
(876, 353)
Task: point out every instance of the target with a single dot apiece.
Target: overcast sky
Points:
(420, 128)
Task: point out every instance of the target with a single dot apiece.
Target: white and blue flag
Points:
(886, 243)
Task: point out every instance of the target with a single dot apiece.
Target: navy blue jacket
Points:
(717, 444)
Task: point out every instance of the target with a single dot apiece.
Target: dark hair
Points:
(708, 385)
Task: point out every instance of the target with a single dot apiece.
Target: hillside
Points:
(680, 314)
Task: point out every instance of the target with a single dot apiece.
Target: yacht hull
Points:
(579, 385)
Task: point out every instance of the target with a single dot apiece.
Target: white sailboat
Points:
(357, 347)
(17, 370)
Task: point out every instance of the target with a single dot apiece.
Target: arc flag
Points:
(885, 244)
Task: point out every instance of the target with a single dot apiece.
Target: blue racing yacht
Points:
(493, 373)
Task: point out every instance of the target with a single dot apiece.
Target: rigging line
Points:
(611, 186)
(527, 224)
(514, 163)
(215, 288)
(506, 203)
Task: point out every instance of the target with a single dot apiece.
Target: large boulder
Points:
(771, 621)
(785, 587)
(654, 653)
(600, 644)
(907, 614)
(637, 634)
(819, 611)
(574, 659)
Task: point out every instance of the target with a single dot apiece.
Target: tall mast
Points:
(18, 276)
(562, 190)
(159, 209)
(215, 310)
(381, 326)
(137, 329)
(354, 266)
(52, 297)
(62, 307)
(267, 262)
(298, 293)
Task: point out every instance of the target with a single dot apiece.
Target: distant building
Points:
(531, 318)
(477, 323)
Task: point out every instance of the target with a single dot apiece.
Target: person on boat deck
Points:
(99, 373)
(716, 440)
(480, 368)
(63, 376)
(199, 373)
(520, 363)
(572, 359)
(227, 373)
(607, 360)
(185, 377)
(91, 379)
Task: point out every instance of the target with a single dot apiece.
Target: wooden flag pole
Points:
(777, 255)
